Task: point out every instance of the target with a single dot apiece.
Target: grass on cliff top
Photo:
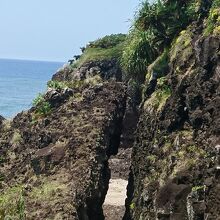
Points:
(106, 48)
(93, 54)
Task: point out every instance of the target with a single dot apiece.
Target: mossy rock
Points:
(159, 97)
(181, 49)
(159, 66)
(47, 191)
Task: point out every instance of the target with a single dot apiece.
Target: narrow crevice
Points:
(114, 206)
(109, 195)
(92, 209)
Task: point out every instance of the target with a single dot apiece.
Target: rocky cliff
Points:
(175, 161)
(155, 93)
(55, 166)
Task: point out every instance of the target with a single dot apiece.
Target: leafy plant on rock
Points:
(42, 107)
(138, 53)
(56, 85)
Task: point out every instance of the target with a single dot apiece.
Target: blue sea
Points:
(21, 81)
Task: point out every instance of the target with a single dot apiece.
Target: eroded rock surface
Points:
(58, 164)
(55, 159)
(175, 167)
(107, 69)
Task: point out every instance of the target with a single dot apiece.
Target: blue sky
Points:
(55, 29)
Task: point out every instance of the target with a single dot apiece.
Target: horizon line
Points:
(24, 59)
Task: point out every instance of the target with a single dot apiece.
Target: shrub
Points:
(197, 188)
(108, 41)
(132, 205)
(155, 26)
(42, 106)
(138, 53)
(38, 100)
(56, 85)
(94, 54)
(106, 48)
(166, 18)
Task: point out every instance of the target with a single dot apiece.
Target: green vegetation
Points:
(160, 96)
(155, 26)
(181, 46)
(196, 188)
(93, 54)
(47, 190)
(132, 205)
(213, 21)
(193, 149)
(191, 153)
(56, 85)
(108, 41)
(165, 19)
(79, 84)
(137, 55)
(154, 31)
(42, 106)
(106, 48)
(6, 125)
(12, 204)
(152, 158)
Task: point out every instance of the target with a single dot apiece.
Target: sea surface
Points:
(21, 81)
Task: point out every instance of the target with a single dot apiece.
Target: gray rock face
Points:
(58, 97)
(105, 68)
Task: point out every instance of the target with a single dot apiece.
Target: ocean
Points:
(21, 81)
